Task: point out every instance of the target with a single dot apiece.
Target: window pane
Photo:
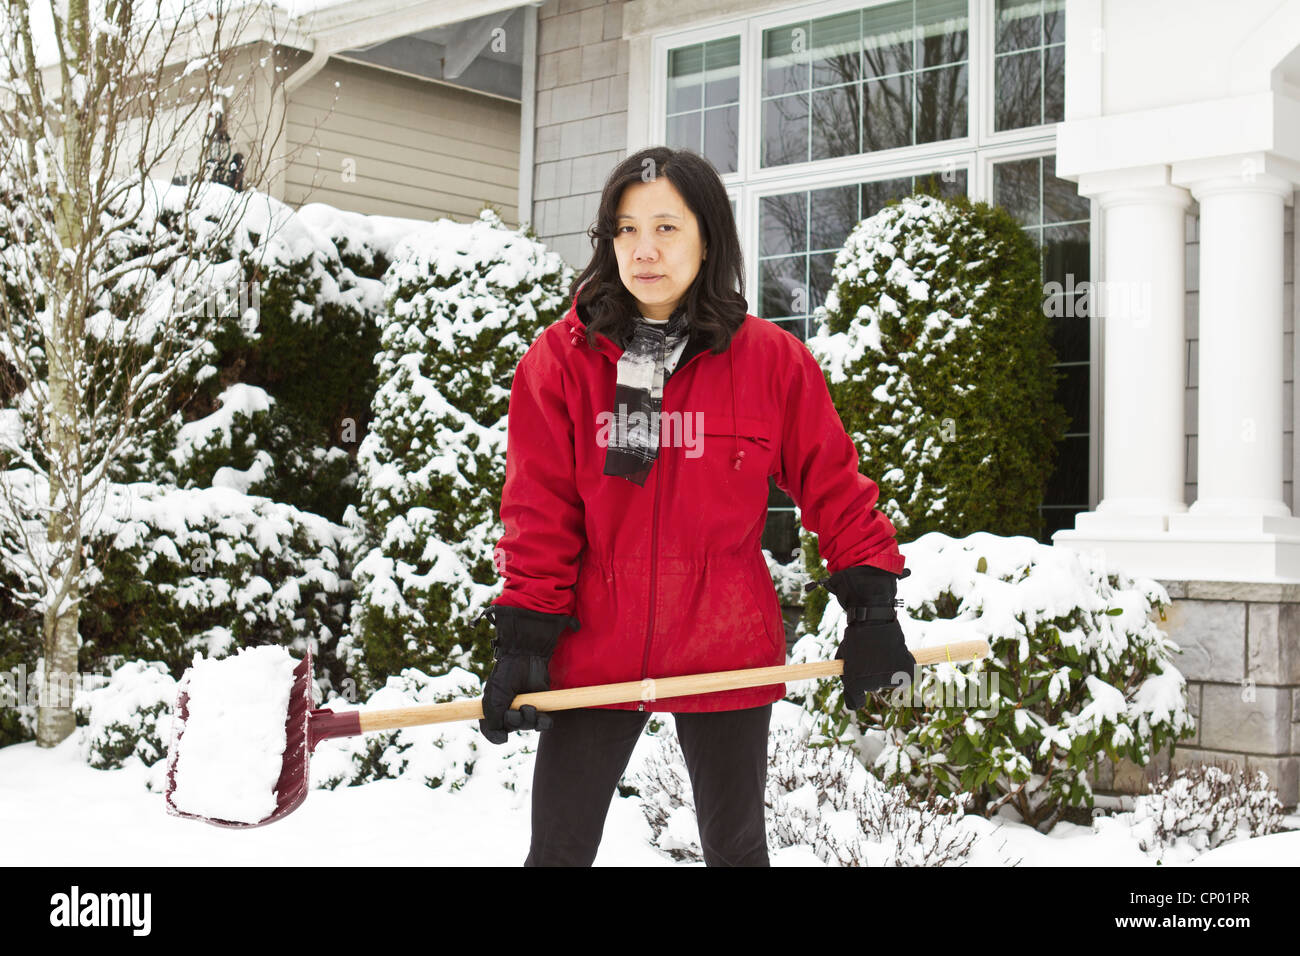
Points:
(1072, 392)
(820, 265)
(1054, 84)
(1026, 187)
(1015, 187)
(780, 282)
(1057, 518)
(834, 213)
(935, 183)
(1019, 90)
(910, 58)
(783, 226)
(785, 130)
(1018, 25)
(722, 66)
(956, 186)
(1068, 484)
(685, 69)
(684, 131)
(1061, 199)
(887, 113)
(887, 39)
(877, 195)
(836, 47)
(941, 104)
(1065, 254)
(776, 498)
(785, 70)
(1054, 21)
(722, 137)
(1070, 330)
(781, 533)
(835, 122)
(941, 28)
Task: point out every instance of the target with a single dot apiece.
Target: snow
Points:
(230, 746)
(381, 233)
(1276, 849)
(110, 818)
(241, 481)
(73, 814)
(117, 708)
(440, 795)
(215, 429)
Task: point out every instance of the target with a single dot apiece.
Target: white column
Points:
(1240, 528)
(1240, 402)
(1142, 310)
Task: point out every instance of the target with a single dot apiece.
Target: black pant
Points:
(582, 756)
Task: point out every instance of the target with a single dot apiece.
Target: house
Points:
(383, 108)
(1150, 147)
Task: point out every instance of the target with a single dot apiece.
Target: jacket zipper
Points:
(654, 565)
(654, 549)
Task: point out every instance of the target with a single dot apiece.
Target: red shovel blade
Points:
(291, 788)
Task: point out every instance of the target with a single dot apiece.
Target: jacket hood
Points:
(607, 347)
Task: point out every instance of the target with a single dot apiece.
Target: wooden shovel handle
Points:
(651, 689)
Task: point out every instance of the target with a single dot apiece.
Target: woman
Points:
(642, 430)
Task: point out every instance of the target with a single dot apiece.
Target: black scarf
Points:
(638, 397)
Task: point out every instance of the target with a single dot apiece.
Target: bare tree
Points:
(105, 105)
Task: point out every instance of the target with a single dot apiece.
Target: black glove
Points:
(873, 648)
(523, 646)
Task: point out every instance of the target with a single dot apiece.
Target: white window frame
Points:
(976, 152)
(749, 181)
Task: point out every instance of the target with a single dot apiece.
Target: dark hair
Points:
(714, 305)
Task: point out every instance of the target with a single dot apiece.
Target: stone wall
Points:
(1240, 646)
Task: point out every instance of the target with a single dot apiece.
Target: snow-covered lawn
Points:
(61, 812)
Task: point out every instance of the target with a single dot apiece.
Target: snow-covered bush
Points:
(465, 301)
(285, 303)
(129, 716)
(789, 579)
(438, 755)
(1205, 806)
(938, 355)
(145, 248)
(222, 449)
(270, 350)
(177, 571)
(297, 340)
(1078, 668)
(818, 795)
(256, 445)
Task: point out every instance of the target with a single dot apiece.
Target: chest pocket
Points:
(725, 507)
(722, 436)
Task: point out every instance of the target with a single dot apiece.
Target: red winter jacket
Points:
(668, 578)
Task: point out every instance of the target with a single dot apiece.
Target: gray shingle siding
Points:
(581, 118)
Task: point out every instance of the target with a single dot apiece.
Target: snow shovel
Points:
(305, 726)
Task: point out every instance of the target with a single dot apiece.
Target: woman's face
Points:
(656, 234)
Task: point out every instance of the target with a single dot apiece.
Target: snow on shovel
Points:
(244, 726)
